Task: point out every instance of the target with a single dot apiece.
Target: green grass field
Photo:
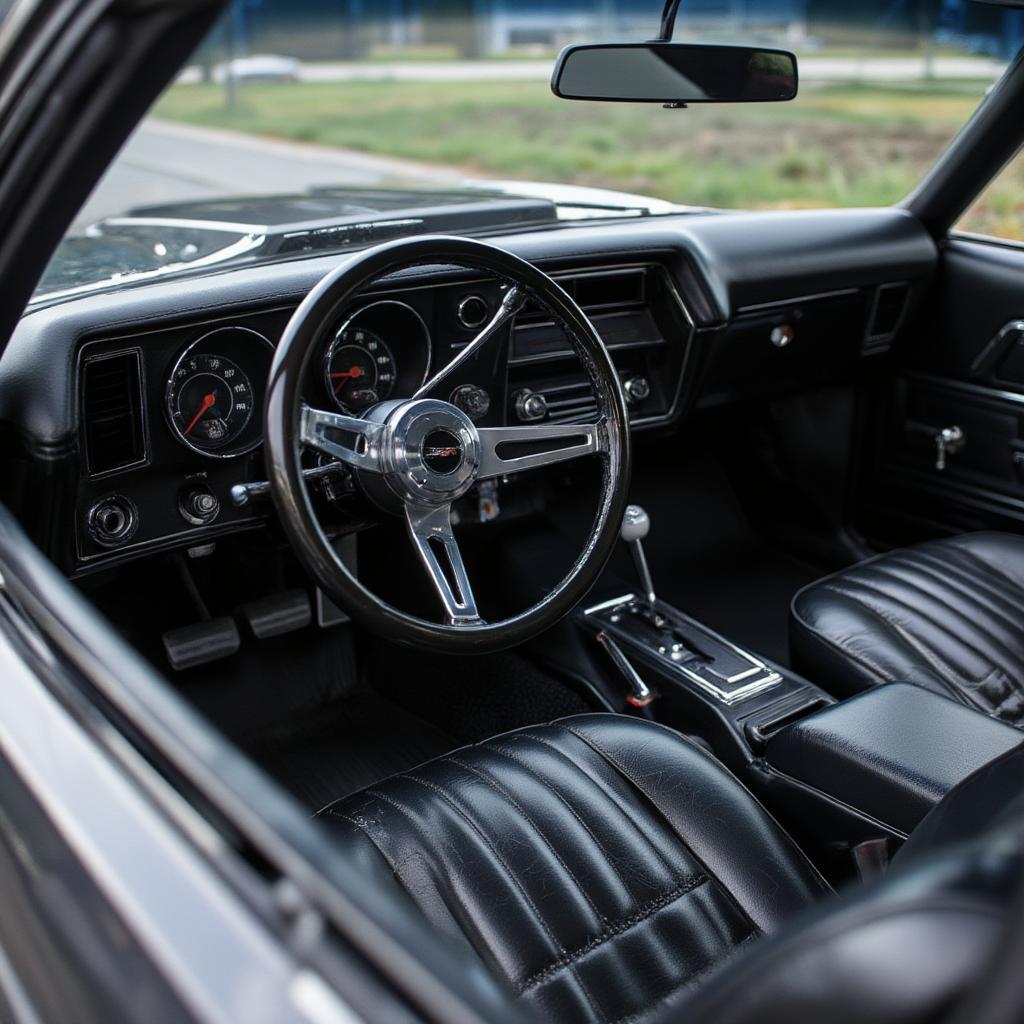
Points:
(853, 145)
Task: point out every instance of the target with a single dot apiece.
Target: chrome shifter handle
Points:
(636, 524)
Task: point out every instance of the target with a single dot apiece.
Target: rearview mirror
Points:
(674, 73)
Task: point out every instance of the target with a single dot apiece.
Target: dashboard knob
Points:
(112, 520)
(472, 400)
(782, 336)
(531, 405)
(199, 506)
(637, 389)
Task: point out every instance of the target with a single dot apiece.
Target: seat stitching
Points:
(502, 791)
(627, 817)
(978, 624)
(568, 806)
(815, 633)
(615, 764)
(688, 982)
(989, 567)
(431, 787)
(391, 863)
(945, 670)
(973, 581)
(614, 930)
(959, 583)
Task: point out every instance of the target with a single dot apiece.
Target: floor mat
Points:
(345, 748)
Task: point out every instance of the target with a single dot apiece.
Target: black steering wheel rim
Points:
(283, 431)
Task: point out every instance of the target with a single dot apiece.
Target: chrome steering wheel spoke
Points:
(329, 432)
(514, 449)
(431, 531)
(513, 301)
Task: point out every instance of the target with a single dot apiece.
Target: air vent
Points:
(112, 412)
(571, 403)
(887, 314)
(595, 292)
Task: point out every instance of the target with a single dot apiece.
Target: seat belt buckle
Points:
(871, 859)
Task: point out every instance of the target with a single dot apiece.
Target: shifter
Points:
(636, 524)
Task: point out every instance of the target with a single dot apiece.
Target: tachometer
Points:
(359, 369)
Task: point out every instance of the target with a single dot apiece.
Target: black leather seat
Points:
(947, 615)
(603, 868)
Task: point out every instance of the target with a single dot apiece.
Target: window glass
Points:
(361, 111)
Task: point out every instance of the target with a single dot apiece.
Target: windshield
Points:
(304, 127)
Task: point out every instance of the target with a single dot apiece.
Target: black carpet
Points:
(708, 561)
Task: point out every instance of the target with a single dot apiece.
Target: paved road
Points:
(165, 162)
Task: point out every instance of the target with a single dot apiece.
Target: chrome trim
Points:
(168, 412)
(246, 244)
(474, 297)
(427, 337)
(314, 424)
(512, 302)
(428, 524)
(769, 679)
(594, 435)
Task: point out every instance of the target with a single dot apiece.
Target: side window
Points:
(999, 210)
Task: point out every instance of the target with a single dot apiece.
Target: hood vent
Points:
(887, 316)
(112, 412)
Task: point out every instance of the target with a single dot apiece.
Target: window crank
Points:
(948, 441)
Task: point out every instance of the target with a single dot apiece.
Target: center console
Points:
(849, 780)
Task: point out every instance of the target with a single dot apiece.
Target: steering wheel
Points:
(423, 453)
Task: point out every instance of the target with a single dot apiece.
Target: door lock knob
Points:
(948, 441)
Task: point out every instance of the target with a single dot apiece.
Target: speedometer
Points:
(359, 369)
(212, 401)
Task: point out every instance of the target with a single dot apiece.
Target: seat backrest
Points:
(899, 951)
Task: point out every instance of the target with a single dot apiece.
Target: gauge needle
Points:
(208, 403)
(352, 374)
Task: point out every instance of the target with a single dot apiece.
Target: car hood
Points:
(153, 241)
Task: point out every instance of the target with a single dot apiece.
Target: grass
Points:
(853, 145)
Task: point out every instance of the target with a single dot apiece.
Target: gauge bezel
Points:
(337, 344)
(389, 345)
(232, 453)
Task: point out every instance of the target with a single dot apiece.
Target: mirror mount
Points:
(668, 26)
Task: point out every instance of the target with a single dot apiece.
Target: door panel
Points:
(960, 370)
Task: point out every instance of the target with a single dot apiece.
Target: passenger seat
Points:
(947, 615)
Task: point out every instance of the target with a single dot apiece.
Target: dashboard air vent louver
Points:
(571, 403)
(887, 315)
(112, 412)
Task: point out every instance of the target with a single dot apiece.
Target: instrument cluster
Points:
(216, 387)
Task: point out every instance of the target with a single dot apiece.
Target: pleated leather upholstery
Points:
(947, 615)
(598, 866)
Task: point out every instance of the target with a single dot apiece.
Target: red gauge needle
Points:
(208, 403)
(351, 374)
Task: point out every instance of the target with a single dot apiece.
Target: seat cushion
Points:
(947, 615)
(598, 866)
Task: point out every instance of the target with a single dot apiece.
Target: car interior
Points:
(636, 604)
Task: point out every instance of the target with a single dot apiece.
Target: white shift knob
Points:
(636, 524)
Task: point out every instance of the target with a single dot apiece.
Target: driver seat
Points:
(606, 869)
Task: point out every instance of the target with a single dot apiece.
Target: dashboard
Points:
(150, 400)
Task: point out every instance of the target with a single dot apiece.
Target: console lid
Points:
(892, 752)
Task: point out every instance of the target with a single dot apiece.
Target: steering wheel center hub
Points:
(431, 452)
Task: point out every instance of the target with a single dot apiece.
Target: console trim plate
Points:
(767, 678)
